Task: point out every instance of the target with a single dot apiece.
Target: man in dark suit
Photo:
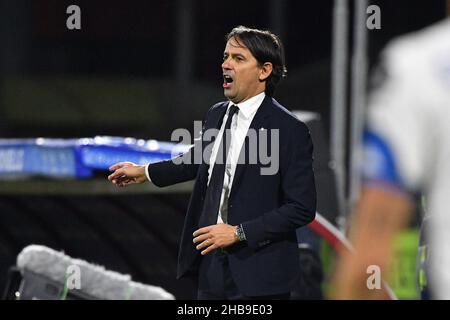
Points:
(239, 235)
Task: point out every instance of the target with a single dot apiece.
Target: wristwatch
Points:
(240, 234)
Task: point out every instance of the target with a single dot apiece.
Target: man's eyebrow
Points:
(234, 54)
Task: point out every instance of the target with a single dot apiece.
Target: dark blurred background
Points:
(142, 69)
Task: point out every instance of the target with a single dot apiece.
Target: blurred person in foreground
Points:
(239, 237)
(407, 154)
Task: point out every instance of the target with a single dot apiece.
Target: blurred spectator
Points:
(407, 150)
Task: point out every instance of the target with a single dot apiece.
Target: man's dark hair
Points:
(265, 47)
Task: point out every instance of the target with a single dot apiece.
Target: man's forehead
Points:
(235, 43)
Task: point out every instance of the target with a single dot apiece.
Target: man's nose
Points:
(226, 64)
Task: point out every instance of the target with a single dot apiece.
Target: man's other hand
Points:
(126, 173)
(213, 237)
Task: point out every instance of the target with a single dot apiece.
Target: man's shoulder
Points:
(215, 110)
(276, 110)
(285, 116)
(218, 106)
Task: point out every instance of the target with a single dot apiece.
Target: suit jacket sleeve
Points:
(179, 169)
(298, 192)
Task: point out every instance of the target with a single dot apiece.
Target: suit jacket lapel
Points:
(261, 120)
(217, 117)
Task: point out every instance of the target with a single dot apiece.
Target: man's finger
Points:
(123, 178)
(208, 242)
(201, 231)
(209, 249)
(116, 166)
(120, 165)
(201, 238)
(113, 176)
(120, 180)
(116, 174)
(202, 245)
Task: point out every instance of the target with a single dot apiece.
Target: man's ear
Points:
(265, 71)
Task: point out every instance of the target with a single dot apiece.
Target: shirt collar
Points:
(249, 106)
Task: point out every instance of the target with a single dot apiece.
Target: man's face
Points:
(241, 73)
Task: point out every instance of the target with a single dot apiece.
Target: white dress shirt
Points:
(239, 128)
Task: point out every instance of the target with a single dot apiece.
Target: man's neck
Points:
(248, 98)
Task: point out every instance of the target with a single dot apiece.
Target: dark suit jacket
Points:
(270, 207)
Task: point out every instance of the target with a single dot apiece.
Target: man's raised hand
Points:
(127, 173)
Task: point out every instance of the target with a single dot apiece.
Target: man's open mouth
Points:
(227, 80)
